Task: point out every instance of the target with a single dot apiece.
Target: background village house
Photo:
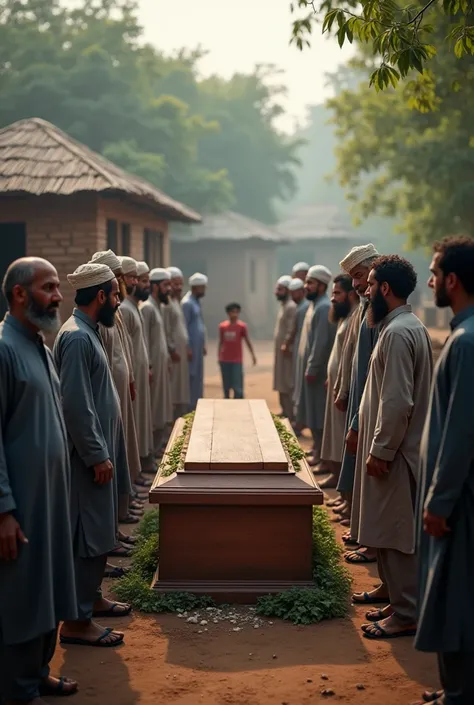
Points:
(62, 201)
(239, 255)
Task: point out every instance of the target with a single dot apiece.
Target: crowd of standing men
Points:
(393, 436)
(81, 428)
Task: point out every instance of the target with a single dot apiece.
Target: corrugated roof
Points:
(226, 226)
(38, 158)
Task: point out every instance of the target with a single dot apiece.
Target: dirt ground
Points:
(166, 660)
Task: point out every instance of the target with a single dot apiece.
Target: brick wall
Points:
(139, 217)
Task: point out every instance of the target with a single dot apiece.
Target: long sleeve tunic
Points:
(155, 337)
(37, 590)
(446, 617)
(177, 337)
(197, 343)
(94, 424)
(283, 379)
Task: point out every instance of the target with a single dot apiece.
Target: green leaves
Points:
(395, 33)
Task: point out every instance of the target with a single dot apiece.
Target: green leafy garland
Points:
(289, 443)
(174, 458)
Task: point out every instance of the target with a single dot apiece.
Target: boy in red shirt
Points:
(231, 335)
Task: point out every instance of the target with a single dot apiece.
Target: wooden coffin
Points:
(236, 520)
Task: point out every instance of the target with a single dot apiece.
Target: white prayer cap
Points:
(159, 275)
(198, 279)
(128, 265)
(296, 284)
(175, 273)
(90, 274)
(358, 255)
(285, 281)
(300, 267)
(321, 273)
(142, 268)
(107, 257)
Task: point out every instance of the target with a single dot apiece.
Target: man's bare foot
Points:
(88, 631)
(329, 483)
(372, 597)
(52, 686)
(341, 508)
(388, 628)
(379, 614)
(107, 608)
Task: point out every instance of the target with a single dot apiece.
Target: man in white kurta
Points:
(391, 418)
(138, 291)
(178, 344)
(160, 362)
(283, 377)
(344, 302)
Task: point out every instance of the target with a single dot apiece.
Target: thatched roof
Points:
(226, 226)
(38, 158)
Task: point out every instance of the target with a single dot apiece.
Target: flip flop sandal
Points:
(112, 612)
(120, 552)
(334, 502)
(375, 615)
(368, 600)
(360, 560)
(129, 519)
(385, 635)
(75, 641)
(116, 572)
(432, 697)
(130, 540)
(58, 690)
(350, 542)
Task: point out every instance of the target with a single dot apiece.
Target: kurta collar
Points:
(77, 313)
(396, 312)
(22, 329)
(461, 316)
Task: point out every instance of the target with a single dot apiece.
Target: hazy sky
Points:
(243, 33)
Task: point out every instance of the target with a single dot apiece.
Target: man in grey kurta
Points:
(160, 362)
(96, 444)
(283, 375)
(178, 344)
(391, 418)
(192, 313)
(36, 560)
(357, 264)
(315, 347)
(139, 291)
(344, 303)
(298, 295)
(446, 496)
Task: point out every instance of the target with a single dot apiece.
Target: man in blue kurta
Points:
(197, 335)
(97, 448)
(36, 558)
(446, 497)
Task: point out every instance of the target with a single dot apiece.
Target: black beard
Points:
(141, 294)
(282, 297)
(45, 319)
(442, 298)
(312, 295)
(163, 298)
(378, 309)
(107, 314)
(340, 310)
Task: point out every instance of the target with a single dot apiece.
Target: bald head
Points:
(31, 287)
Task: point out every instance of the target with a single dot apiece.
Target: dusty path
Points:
(165, 660)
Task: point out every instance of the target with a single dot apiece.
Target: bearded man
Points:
(446, 497)
(392, 414)
(118, 348)
(315, 347)
(138, 291)
(283, 378)
(344, 303)
(97, 448)
(37, 588)
(178, 344)
(160, 361)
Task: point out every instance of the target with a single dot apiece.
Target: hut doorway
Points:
(12, 246)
